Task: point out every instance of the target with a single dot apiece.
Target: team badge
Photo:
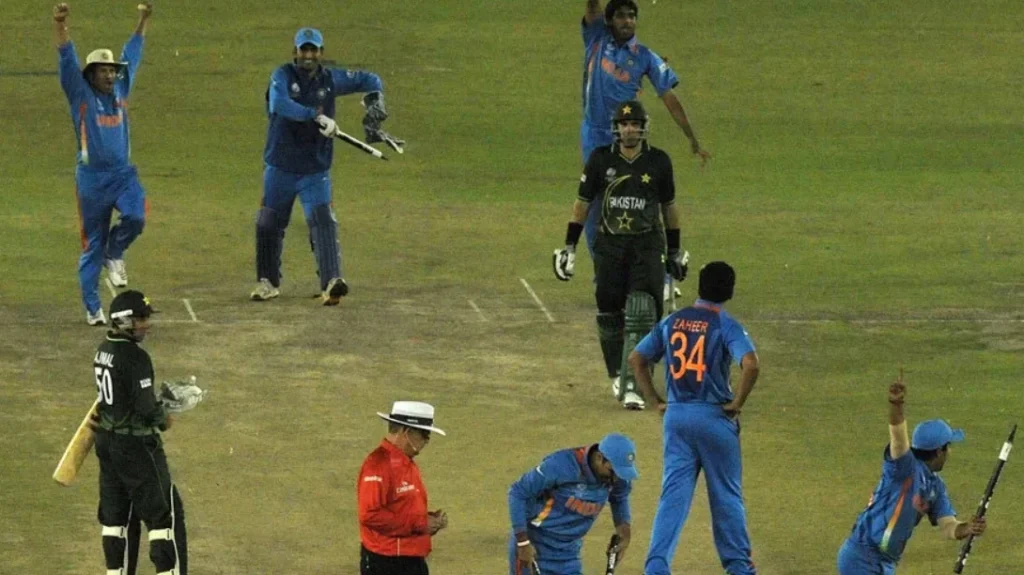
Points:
(321, 93)
(350, 74)
(295, 87)
(630, 457)
(629, 62)
(610, 173)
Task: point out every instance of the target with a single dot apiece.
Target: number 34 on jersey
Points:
(687, 346)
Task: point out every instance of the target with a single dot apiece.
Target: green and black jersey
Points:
(631, 192)
(125, 379)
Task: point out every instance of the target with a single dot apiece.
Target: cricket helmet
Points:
(128, 305)
(631, 110)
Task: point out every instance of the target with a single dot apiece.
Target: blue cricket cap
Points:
(933, 434)
(621, 452)
(309, 36)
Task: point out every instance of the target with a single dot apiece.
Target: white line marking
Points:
(540, 304)
(113, 291)
(188, 306)
(473, 305)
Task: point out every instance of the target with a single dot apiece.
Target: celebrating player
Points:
(632, 182)
(134, 478)
(105, 178)
(613, 70)
(298, 154)
(909, 489)
(701, 427)
(554, 505)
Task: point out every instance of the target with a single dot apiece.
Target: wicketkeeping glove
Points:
(375, 135)
(677, 264)
(374, 104)
(564, 262)
(179, 396)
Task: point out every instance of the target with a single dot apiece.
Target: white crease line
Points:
(188, 306)
(909, 320)
(113, 291)
(540, 304)
(473, 305)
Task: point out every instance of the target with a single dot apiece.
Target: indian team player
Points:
(105, 178)
(554, 505)
(701, 425)
(613, 69)
(910, 488)
(297, 157)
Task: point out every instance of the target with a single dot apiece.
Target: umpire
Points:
(135, 482)
(634, 182)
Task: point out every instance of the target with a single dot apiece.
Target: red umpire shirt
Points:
(392, 504)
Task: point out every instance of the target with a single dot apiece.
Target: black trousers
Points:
(372, 564)
(628, 263)
(135, 484)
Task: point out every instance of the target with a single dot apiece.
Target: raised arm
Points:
(675, 108)
(899, 440)
(60, 25)
(145, 11)
(593, 11)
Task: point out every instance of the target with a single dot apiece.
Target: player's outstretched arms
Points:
(145, 11)
(675, 108)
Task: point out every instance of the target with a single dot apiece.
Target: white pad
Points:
(171, 572)
(161, 534)
(115, 531)
(115, 572)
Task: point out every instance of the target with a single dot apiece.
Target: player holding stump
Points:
(105, 178)
(633, 184)
(554, 505)
(135, 481)
(701, 424)
(910, 489)
(298, 155)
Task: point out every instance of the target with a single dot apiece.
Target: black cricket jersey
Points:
(631, 192)
(124, 378)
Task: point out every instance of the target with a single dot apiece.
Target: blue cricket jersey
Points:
(613, 74)
(100, 120)
(907, 491)
(294, 98)
(701, 342)
(560, 498)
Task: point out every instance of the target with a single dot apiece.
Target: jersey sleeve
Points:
(590, 181)
(897, 469)
(531, 486)
(282, 104)
(148, 409)
(619, 501)
(71, 79)
(662, 77)
(738, 341)
(374, 504)
(351, 81)
(652, 346)
(942, 506)
(131, 53)
(592, 32)
(667, 185)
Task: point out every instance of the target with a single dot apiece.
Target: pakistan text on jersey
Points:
(627, 203)
(104, 358)
(690, 325)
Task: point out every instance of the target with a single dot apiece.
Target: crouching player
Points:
(554, 505)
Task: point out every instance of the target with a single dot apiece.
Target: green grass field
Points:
(866, 184)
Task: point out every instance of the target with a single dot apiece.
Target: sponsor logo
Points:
(372, 478)
(321, 93)
(146, 383)
(663, 68)
(583, 178)
(405, 488)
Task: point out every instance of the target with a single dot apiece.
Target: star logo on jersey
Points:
(627, 110)
(625, 221)
(646, 178)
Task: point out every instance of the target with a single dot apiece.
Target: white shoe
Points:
(264, 291)
(633, 401)
(336, 289)
(117, 274)
(616, 383)
(667, 292)
(96, 319)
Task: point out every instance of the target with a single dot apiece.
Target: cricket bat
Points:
(76, 451)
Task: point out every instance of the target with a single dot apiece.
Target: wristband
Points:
(672, 239)
(522, 543)
(572, 233)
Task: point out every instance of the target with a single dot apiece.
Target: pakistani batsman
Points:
(632, 183)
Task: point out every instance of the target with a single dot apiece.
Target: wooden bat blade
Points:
(76, 451)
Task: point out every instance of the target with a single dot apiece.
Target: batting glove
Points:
(328, 127)
(564, 262)
(677, 264)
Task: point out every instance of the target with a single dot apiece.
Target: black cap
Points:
(129, 304)
(717, 281)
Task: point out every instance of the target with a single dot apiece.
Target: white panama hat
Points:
(413, 414)
(102, 56)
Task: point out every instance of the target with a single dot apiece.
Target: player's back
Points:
(122, 372)
(698, 354)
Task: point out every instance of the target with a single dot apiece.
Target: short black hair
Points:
(614, 5)
(926, 455)
(717, 282)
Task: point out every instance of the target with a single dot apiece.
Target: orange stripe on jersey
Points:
(83, 137)
(544, 512)
(81, 222)
(907, 483)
